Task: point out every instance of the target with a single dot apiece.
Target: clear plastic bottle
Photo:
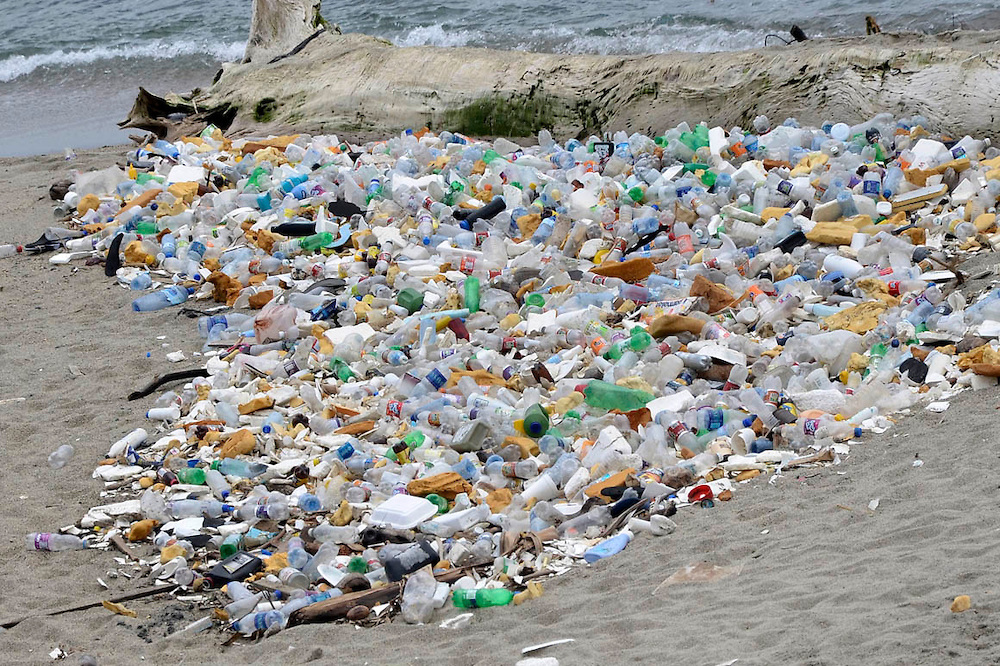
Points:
(54, 542)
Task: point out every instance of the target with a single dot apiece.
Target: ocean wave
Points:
(698, 39)
(634, 40)
(17, 66)
(436, 35)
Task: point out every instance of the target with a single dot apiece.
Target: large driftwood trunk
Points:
(277, 26)
(364, 87)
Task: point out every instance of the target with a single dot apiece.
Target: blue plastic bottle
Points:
(164, 298)
(608, 547)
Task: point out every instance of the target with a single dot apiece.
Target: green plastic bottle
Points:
(194, 476)
(536, 421)
(230, 545)
(256, 176)
(316, 241)
(639, 339)
(414, 440)
(535, 300)
(340, 368)
(143, 178)
(442, 503)
(607, 396)
(146, 228)
(472, 294)
(481, 598)
(411, 299)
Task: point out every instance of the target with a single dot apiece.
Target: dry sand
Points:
(828, 583)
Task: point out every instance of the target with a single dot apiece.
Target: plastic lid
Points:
(214, 465)
(190, 290)
(699, 493)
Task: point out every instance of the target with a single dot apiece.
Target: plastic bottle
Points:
(164, 298)
(54, 542)
(263, 621)
(481, 598)
(240, 468)
(608, 547)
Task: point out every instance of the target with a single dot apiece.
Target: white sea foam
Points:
(436, 35)
(16, 66)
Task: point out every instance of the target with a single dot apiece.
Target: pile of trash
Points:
(440, 369)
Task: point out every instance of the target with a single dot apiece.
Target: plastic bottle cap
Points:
(700, 493)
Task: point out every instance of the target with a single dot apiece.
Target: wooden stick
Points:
(337, 608)
(138, 594)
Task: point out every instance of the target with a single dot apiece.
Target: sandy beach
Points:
(821, 579)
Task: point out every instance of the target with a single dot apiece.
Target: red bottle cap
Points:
(700, 493)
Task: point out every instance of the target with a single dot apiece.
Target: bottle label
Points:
(620, 245)
(467, 265)
(42, 541)
(676, 429)
(651, 475)
(599, 345)
(810, 426)
(508, 470)
(893, 287)
(715, 419)
(785, 187)
(436, 379)
(260, 621)
(684, 244)
(772, 397)
(870, 187)
(685, 378)
(394, 408)
(716, 332)
(434, 419)
(789, 407)
(508, 344)
(481, 237)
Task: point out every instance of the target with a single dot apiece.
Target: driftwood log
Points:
(337, 608)
(361, 87)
